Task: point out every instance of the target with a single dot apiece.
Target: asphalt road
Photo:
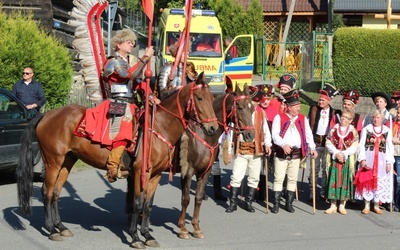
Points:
(94, 211)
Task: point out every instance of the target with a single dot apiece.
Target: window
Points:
(9, 108)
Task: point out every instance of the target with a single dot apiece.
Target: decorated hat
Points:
(328, 91)
(384, 96)
(287, 80)
(292, 97)
(396, 95)
(351, 95)
(261, 92)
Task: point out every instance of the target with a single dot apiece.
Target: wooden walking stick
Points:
(313, 181)
(302, 181)
(266, 182)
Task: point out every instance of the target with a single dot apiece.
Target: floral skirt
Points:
(334, 190)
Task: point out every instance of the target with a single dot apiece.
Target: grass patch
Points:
(80, 166)
(307, 99)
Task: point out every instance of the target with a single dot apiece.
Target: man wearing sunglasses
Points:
(29, 91)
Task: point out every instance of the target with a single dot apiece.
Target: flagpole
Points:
(183, 43)
(148, 74)
(188, 8)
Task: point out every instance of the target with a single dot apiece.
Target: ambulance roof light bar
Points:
(194, 12)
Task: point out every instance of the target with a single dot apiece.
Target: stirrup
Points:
(113, 174)
(122, 174)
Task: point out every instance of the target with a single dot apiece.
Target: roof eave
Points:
(316, 13)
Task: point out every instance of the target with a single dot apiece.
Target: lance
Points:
(148, 6)
(183, 42)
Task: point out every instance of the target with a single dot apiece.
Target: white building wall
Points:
(369, 21)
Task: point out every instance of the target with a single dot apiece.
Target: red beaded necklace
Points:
(375, 132)
(343, 133)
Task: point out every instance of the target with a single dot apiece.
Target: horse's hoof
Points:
(66, 233)
(198, 234)
(184, 235)
(55, 237)
(138, 245)
(152, 243)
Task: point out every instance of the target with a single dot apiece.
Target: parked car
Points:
(14, 117)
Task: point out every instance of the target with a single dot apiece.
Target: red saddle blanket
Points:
(95, 124)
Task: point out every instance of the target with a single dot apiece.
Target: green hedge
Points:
(23, 44)
(366, 59)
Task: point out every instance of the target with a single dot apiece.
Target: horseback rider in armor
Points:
(122, 79)
(165, 85)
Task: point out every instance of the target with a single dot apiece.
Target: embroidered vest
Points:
(255, 147)
(348, 140)
(300, 125)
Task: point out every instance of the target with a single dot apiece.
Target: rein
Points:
(233, 114)
(206, 144)
(191, 105)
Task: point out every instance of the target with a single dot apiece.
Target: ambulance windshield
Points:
(202, 45)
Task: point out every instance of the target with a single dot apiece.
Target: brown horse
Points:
(60, 149)
(231, 108)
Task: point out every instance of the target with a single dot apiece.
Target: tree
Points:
(23, 44)
(235, 20)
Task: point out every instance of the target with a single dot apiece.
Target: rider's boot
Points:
(113, 169)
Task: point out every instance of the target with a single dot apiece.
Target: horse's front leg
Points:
(147, 206)
(185, 200)
(201, 183)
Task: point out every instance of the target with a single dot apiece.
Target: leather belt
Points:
(319, 140)
(294, 154)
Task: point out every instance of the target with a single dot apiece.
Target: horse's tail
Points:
(24, 171)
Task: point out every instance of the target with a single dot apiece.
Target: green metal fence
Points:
(309, 61)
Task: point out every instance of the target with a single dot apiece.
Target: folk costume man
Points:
(111, 122)
(286, 83)
(396, 104)
(349, 102)
(263, 95)
(292, 136)
(248, 156)
(383, 103)
(319, 117)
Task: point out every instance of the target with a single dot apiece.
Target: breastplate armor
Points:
(116, 73)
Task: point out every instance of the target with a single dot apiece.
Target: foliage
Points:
(235, 20)
(162, 4)
(366, 59)
(23, 44)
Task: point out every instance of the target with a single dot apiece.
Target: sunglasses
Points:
(26, 73)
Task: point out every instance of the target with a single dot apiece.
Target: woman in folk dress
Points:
(341, 143)
(374, 180)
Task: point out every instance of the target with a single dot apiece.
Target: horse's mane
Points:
(184, 153)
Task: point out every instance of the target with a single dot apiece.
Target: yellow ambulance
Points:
(208, 51)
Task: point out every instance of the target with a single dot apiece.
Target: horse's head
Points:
(242, 111)
(197, 99)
